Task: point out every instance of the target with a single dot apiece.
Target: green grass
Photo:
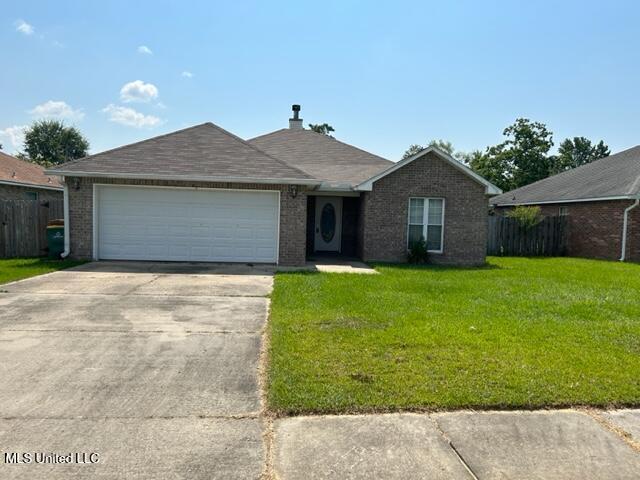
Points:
(519, 333)
(18, 268)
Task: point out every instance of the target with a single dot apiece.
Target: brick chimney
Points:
(295, 123)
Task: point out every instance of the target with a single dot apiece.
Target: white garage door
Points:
(180, 224)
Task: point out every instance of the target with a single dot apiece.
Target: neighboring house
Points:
(20, 180)
(204, 194)
(600, 200)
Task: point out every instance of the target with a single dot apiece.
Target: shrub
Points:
(527, 217)
(418, 252)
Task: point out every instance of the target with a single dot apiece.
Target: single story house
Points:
(20, 180)
(204, 194)
(600, 200)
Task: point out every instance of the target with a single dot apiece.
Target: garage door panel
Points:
(245, 252)
(244, 233)
(159, 230)
(262, 233)
(187, 225)
(178, 251)
(201, 230)
(178, 230)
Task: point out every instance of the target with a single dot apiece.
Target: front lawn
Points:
(518, 333)
(12, 269)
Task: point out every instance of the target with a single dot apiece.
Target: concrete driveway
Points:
(154, 367)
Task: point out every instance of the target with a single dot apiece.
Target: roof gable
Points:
(615, 176)
(18, 172)
(490, 188)
(325, 158)
(202, 152)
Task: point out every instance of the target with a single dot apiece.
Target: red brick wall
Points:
(633, 237)
(595, 228)
(293, 215)
(382, 231)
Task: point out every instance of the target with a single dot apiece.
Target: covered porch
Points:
(333, 222)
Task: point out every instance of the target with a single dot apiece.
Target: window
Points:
(426, 221)
(31, 195)
(563, 211)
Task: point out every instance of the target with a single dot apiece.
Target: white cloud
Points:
(57, 109)
(144, 50)
(187, 74)
(138, 91)
(130, 117)
(23, 27)
(15, 135)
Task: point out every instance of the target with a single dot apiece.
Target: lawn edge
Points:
(282, 413)
(12, 282)
(267, 416)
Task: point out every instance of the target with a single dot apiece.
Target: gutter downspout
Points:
(67, 243)
(625, 227)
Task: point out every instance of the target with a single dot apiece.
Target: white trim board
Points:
(490, 188)
(31, 185)
(325, 193)
(575, 200)
(188, 178)
(186, 187)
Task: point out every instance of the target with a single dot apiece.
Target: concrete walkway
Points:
(332, 265)
(544, 445)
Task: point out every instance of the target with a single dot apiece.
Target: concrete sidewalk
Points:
(545, 445)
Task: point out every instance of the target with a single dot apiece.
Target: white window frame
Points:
(425, 219)
(563, 211)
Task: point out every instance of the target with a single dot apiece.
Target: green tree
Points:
(412, 150)
(441, 144)
(50, 142)
(527, 217)
(577, 151)
(524, 155)
(323, 128)
(601, 150)
(496, 169)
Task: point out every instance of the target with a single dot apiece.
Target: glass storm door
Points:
(328, 230)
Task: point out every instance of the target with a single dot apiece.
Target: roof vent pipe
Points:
(295, 123)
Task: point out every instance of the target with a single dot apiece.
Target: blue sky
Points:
(384, 75)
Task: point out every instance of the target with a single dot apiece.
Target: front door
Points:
(328, 235)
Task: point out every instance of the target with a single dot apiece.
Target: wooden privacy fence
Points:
(23, 226)
(507, 237)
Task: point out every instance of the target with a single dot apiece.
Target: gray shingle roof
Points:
(617, 175)
(14, 170)
(202, 151)
(323, 157)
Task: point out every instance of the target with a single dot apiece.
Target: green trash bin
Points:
(55, 240)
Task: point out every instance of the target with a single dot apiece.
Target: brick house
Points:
(204, 194)
(600, 200)
(20, 180)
